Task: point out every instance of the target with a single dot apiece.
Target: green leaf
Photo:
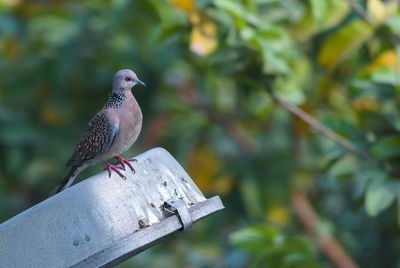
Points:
(166, 32)
(247, 33)
(259, 103)
(299, 244)
(256, 238)
(394, 24)
(289, 89)
(307, 27)
(274, 37)
(385, 75)
(235, 9)
(380, 195)
(299, 261)
(344, 42)
(54, 29)
(224, 94)
(273, 64)
(387, 147)
(343, 167)
(251, 197)
(318, 9)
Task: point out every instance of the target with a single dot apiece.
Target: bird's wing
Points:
(97, 139)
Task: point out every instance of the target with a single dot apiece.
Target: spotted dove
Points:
(111, 131)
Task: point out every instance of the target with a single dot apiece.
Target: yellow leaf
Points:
(203, 39)
(278, 215)
(203, 166)
(377, 9)
(391, 8)
(9, 3)
(223, 185)
(187, 5)
(366, 103)
(344, 42)
(381, 10)
(387, 58)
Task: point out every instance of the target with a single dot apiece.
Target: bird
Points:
(112, 131)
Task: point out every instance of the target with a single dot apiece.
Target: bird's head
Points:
(125, 79)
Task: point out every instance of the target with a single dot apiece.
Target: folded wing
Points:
(96, 140)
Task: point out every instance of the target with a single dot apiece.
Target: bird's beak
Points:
(140, 82)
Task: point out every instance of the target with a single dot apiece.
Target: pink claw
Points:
(115, 168)
(123, 161)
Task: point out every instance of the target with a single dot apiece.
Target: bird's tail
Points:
(67, 181)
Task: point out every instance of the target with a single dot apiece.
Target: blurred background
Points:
(293, 197)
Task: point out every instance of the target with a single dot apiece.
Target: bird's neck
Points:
(116, 99)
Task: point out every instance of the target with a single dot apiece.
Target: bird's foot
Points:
(123, 161)
(116, 168)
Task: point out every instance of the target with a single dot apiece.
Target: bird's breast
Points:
(129, 117)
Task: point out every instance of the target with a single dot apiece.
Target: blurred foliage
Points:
(205, 63)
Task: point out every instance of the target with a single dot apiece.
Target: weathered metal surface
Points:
(145, 238)
(103, 221)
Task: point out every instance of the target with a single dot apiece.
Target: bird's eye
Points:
(128, 78)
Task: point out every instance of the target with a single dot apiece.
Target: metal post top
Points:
(101, 221)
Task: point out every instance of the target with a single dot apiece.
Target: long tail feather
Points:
(67, 181)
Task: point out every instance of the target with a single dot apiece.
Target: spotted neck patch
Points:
(115, 100)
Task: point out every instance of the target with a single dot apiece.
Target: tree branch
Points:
(325, 130)
(310, 220)
(363, 13)
(327, 242)
(395, 40)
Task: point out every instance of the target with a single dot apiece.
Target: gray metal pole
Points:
(103, 221)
